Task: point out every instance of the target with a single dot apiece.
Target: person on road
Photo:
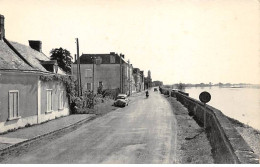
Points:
(147, 93)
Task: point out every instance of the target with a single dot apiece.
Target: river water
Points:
(242, 104)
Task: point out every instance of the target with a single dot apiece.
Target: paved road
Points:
(143, 132)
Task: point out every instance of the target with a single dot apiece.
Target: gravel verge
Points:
(193, 146)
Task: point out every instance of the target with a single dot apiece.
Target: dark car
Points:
(155, 89)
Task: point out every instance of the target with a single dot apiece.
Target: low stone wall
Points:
(227, 144)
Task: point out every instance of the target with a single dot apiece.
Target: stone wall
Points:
(227, 144)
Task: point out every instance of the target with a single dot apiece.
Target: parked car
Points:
(121, 100)
(155, 89)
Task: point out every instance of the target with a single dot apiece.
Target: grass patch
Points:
(104, 108)
(237, 123)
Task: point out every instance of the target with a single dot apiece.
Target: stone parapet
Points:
(228, 145)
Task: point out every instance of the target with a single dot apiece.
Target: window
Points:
(100, 83)
(88, 73)
(98, 61)
(13, 104)
(61, 100)
(49, 100)
(112, 59)
(89, 86)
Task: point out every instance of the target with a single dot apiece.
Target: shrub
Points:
(100, 89)
(86, 102)
(110, 93)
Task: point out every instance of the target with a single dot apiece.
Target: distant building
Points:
(148, 80)
(139, 79)
(142, 80)
(110, 71)
(131, 80)
(24, 97)
(157, 83)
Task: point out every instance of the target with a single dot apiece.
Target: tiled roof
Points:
(31, 55)
(9, 60)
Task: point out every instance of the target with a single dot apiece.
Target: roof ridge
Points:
(30, 48)
(15, 51)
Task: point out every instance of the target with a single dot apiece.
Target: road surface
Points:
(143, 132)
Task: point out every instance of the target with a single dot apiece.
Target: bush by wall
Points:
(110, 93)
(78, 104)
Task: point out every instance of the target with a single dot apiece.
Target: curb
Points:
(2, 151)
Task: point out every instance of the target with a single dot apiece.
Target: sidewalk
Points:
(29, 133)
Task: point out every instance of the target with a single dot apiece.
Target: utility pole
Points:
(76, 59)
(79, 72)
(120, 73)
(93, 59)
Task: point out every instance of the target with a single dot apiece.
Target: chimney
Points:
(2, 27)
(123, 56)
(36, 45)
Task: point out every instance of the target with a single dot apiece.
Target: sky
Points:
(190, 41)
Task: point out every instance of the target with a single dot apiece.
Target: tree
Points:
(181, 86)
(220, 84)
(63, 58)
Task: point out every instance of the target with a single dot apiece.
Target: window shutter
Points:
(88, 73)
(11, 105)
(49, 100)
(15, 95)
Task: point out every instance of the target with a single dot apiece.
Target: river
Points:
(242, 104)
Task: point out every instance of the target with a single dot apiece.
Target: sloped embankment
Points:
(249, 134)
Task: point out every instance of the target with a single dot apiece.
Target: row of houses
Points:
(109, 71)
(25, 98)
